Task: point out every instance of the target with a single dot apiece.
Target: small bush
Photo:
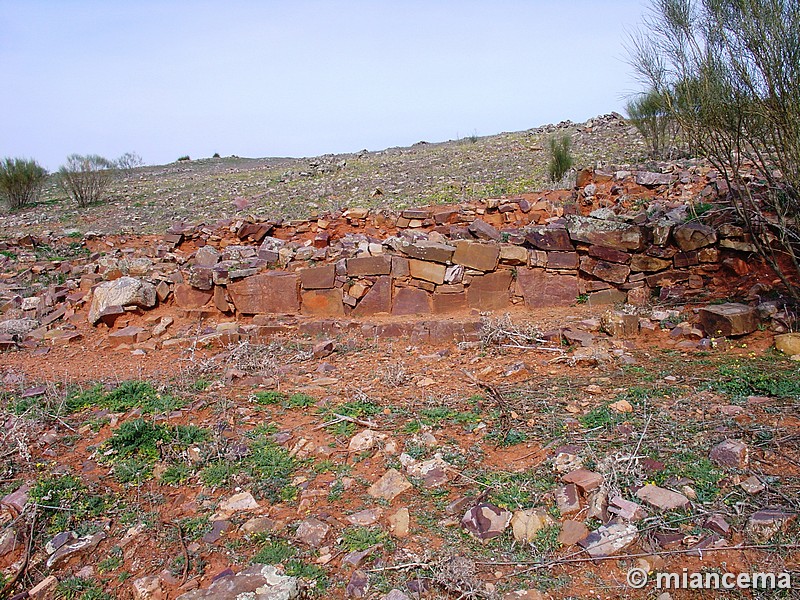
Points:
(21, 181)
(560, 157)
(85, 178)
(184, 158)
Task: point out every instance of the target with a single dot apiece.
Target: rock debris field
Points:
(509, 393)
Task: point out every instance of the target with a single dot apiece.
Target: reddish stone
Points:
(600, 232)
(474, 255)
(731, 453)
(128, 335)
(642, 262)
(550, 239)
(411, 301)
(609, 254)
(427, 271)
(490, 291)
(221, 299)
(318, 278)
(607, 297)
(447, 303)
(369, 265)
(693, 235)
(540, 288)
(562, 260)
(611, 272)
(272, 292)
(188, 297)
(482, 230)
(323, 303)
(377, 300)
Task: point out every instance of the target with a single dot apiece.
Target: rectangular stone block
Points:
(540, 288)
(552, 240)
(323, 303)
(427, 250)
(482, 257)
(369, 265)
(601, 232)
(490, 291)
(562, 260)
(411, 301)
(318, 278)
(611, 272)
(427, 271)
(273, 292)
(449, 302)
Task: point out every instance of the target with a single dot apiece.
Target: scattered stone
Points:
(732, 454)
(395, 594)
(525, 524)
(256, 582)
(218, 528)
(661, 498)
(241, 502)
(625, 509)
(753, 485)
(718, 524)
(730, 319)
(259, 525)
(366, 517)
(147, 588)
(585, 480)
(621, 406)
(45, 589)
(125, 291)
(524, 595)
(608, 540)
(567, 499)
(399, 523)
(323, 349)
(765, 523)
(389, 486)
(485, 521)
(365, 440)
(312, 532)
(572, 532)
(81, 546)
(358, 586)
(788, 343)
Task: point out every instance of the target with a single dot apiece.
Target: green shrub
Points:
(85, 178)
(21, 181)
(273, 553)
(649, 113)
(560, 157)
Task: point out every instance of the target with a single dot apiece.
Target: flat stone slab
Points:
(662, 498)
(267, 293)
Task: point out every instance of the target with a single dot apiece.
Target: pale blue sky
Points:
(299, 78)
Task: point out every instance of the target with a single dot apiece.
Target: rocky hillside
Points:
(147, 199)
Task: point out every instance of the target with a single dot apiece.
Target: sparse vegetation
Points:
(649, 112)
(727, 74)
(21, 181)
(561, 159)
(86, 179)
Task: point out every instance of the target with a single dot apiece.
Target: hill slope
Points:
(147, 199)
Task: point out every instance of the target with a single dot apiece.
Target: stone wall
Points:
(438, 263)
